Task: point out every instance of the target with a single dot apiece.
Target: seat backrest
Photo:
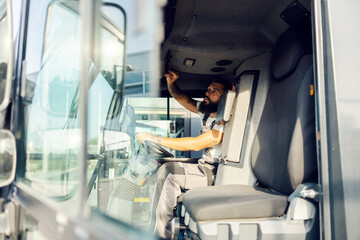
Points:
(284, 151)
(240, 131)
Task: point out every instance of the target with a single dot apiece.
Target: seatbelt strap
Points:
(212, 125)
(206, 116)
(255, 76)
(204, 120)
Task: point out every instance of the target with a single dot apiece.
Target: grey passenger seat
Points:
(283, 159)
(251, 85)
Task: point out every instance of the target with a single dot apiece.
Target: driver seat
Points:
(283, 160)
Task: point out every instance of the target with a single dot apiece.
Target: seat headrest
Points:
(225, 106)
(294, 43)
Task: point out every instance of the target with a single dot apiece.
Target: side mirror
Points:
(7, 157)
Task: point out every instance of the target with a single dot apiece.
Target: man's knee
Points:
(170, 167)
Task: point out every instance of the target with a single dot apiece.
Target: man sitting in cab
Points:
(185, 176)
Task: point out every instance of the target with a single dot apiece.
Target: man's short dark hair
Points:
(227, 85)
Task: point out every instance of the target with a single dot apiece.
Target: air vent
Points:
(223, 62)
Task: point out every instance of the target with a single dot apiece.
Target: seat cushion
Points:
(233, 202)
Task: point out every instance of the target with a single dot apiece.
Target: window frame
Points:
(7, 93)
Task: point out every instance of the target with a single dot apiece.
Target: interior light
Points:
(189, 62)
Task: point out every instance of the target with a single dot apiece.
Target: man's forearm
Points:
(175, 91)
(205, 140)
(182, 98)
(182, 144)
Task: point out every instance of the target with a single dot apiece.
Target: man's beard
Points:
(211, 107)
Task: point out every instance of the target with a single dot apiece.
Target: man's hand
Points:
(171, 77)
(144, 136)
(189, 103)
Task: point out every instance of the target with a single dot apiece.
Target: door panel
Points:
(73, 93)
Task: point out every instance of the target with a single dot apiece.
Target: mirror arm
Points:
(9, 219)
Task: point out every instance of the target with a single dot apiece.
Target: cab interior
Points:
(264, 186)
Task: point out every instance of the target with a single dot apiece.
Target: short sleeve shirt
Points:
(213, 152)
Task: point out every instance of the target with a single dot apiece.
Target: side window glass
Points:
(51, 102)
(53, 133)
(106, 139)
(106, 82)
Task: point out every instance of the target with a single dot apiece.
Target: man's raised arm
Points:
(180, 96)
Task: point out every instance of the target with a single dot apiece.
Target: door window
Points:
(115, 161)
(52, 131)
(52, 109)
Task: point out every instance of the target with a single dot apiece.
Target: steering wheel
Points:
(156, 150)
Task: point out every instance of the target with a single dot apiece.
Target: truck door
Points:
(70, 77)
(337, 58)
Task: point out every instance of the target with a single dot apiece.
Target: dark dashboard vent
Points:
(224, 62)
